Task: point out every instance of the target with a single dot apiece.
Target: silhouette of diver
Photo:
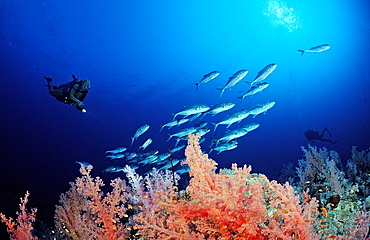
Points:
(312, 135)
(72, 93)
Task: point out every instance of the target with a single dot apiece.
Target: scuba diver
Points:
(72, 93)
(312, 135)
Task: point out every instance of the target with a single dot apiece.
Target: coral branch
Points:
(232, 204)
(22, 229)
(85, 213)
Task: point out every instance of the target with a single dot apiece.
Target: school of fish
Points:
(149, 158)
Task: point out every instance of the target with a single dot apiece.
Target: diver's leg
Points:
(53, 90)
(56, 92)
(48, 79)
(322, 134)
(326, 129)
(50, 87)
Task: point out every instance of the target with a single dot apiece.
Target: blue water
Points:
(143, 59)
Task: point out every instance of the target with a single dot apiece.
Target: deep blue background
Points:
(143, 59)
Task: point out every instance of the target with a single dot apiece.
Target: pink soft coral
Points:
(227, 205)
(87, 213)
(22, 228)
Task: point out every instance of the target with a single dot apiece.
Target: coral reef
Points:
(321, 202)
(342, 194)
(229, 205)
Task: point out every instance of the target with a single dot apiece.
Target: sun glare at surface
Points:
(280, 14)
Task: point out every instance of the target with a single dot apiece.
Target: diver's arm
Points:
(72, 96)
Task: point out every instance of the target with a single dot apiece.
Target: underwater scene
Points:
(185, 119)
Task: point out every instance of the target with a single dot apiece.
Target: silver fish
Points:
(176, 149)
(201, 124)
(183, 169)
(116, 150)
(85, 164)
(163, 156)
(255, 89)
(174, 123)
(183, 138)
(194, 109)
(250, 127)
(183, 132)
(194, 116)
(130, 156)
(169, 125)
(316, 49)
(146, 144)
(231, 135)
(186, 138)
(116, 156)
(149, 159)
(141, 130)
(221, 107)
(208, 77)
(182, 121)
(169, 165)
(233, 118)
(113, 169)
(234, 79)
(202, 131)
(264, 73)
(225, 147)
(261, 108)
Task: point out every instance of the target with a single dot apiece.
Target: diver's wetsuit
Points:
(75, 95)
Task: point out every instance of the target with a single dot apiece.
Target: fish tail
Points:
(216, 124)
(197, 86)
(169, 137)
(133, 139)
(222, 91)
(212, 142)
(241, 99)
(174, 116)
(302, 51)
(250, 84)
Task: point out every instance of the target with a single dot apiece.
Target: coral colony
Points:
(320, 202)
